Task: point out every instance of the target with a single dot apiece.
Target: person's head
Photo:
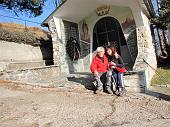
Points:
(100, 51)
(111, 51)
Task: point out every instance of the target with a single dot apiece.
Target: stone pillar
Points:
(55, 42)
(58, 35)
(64, 57)
(146, 52)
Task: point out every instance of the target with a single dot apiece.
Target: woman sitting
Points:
(116, 69)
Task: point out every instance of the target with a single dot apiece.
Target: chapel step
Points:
(24, 65)
(50, 76)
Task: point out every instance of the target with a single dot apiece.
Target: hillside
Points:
(18, 33)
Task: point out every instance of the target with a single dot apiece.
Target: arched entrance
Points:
(108, 32)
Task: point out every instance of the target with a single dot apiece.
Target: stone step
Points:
(38, 75)
(49, 76)
(133, 81)
(24, 65)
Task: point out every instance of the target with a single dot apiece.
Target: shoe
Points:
(121, 91)
(108, 91)
(114, 89)
(100, 88)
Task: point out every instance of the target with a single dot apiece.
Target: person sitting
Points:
(117, 69)
(99, 68)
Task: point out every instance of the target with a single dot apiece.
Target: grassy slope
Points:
(163, 78)
(17, 32)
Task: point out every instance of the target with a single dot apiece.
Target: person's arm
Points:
(120, 62)
(93, 66)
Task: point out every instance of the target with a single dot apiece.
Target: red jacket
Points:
(98, 65)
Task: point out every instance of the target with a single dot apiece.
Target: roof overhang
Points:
(76, 10)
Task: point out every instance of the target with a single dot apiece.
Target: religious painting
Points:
(84, 32)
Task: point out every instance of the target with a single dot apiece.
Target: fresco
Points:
(85, 36)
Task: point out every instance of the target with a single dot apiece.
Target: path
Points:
(78, 107)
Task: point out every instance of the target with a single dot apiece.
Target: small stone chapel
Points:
(78, 27)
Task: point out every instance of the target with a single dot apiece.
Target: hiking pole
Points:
(161, 77)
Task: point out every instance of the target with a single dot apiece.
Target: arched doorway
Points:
(108, 32)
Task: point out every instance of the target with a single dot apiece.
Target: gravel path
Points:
(78, 107)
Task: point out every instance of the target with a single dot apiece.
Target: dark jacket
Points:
(118, 62)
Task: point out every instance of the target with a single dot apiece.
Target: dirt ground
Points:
(24, 106)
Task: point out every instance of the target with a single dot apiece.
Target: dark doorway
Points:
(107, 31)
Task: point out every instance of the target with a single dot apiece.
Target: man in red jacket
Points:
(99, 67)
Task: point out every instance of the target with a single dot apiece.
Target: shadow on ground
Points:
(85, 79)
(158, 95)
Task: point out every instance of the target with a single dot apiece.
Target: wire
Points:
(19, 19)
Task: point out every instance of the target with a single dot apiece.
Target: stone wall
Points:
(132, 45)
(39, 75)
(11, 51)
(16, 56)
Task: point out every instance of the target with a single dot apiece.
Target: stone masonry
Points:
(146, 52)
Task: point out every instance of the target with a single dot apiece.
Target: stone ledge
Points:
(35, 68)
(49, 77)
(32, 75)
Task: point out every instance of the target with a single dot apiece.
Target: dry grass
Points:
(13, 27)
(20, 34)
(162, 77)
(39, 32)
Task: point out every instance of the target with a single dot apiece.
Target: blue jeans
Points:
(118, 77)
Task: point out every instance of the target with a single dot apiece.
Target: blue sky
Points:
(47, 10)
(154, 2)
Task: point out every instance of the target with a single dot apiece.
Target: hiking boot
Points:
(109, 91)
(121, 91)
(114, 89)
(100, 88)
